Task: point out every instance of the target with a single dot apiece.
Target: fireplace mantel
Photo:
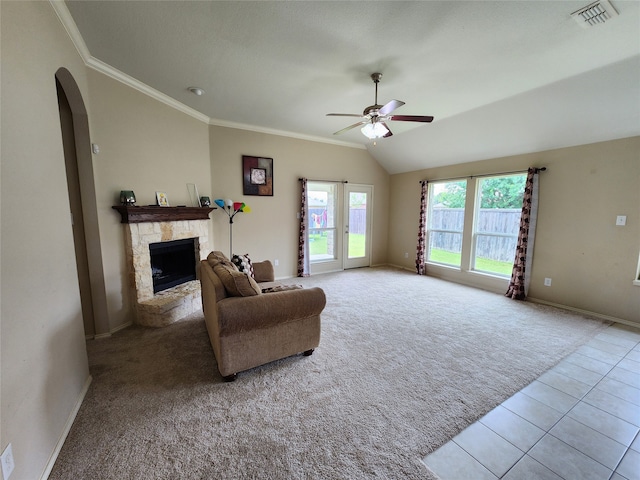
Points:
(135, 214)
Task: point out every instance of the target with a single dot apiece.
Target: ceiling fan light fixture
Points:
(374, 130)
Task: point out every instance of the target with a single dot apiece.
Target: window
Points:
(445, 222)
(357, 225)
(497, 221)
(321, 203)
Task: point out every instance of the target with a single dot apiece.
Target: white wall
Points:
(43, 355)
(145, 146)
(591, 261)
(270, 231)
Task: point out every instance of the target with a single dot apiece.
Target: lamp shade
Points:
(219, 202)
(374, 130)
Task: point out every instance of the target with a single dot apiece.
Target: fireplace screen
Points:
(172, 263)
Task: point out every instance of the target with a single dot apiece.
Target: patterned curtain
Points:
(422, 232)
(520, 275)
(303, 245)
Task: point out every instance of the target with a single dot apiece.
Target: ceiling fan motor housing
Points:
(372, 110)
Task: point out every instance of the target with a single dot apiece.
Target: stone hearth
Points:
(168, 306)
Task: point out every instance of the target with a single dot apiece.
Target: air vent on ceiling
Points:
(594, 14)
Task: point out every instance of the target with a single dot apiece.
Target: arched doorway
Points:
(82, 201)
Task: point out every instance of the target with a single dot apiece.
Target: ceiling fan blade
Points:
(351, 126)
(411, 118)
(390, 107)
(344, 115)
(389, 132)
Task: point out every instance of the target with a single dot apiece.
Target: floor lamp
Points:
(231, 208)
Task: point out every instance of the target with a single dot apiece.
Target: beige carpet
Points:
(404, 363)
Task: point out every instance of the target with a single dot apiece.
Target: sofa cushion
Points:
(219, 258)
(237, 284)
(243, 263)
(279, 288)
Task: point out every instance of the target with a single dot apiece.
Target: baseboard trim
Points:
(601, 316)
(67, 429)
(120, 327)
(109, 333)
(393, 265)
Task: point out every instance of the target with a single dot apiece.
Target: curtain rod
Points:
(541, 169)
(328, 181)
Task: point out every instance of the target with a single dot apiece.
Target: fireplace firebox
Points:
(172, 263)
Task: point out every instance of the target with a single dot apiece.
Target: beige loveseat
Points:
(248, 328)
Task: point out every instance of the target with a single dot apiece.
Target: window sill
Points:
(443, 265)
(489, 275)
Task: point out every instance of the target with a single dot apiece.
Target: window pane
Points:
(357, 224)
(498, 222)
(446, 221)
(321, 245)
(321, 203)
(445, 247)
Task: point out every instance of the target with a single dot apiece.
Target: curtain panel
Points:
(422, 232)
(303, 244)
(521, 273)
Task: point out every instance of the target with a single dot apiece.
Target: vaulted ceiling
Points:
(500, 77)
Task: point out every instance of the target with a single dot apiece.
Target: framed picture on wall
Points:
(162, 199)
(257, 175)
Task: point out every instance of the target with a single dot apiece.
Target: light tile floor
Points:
(580, 420)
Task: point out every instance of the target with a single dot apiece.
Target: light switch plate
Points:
(621, 220)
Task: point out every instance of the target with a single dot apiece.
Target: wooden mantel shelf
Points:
(152, 213)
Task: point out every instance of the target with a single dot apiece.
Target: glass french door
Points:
(357, 225)
(324, 234)
(339, 234)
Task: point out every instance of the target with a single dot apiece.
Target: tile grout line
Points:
(565, 414)
(547, 431)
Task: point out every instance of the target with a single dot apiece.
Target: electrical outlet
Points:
(276, 262)
(7, 462)
(547, 282)
(406, 255)
(621, 220)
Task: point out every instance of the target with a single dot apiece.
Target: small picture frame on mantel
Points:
(257, 175)
(162, 199)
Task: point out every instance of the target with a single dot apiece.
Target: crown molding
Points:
(283, 133)
(70, 26)
(72, 29)
(122, 77)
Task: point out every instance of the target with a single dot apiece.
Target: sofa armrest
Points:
(263, 271)
(242, 314)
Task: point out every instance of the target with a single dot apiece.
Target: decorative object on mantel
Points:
(193, 195)
(205, 201)
(231, 208)
(162, 199)
(257, 174)
(127, 197)
(154, 213)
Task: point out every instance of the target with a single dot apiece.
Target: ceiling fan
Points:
(375, 116)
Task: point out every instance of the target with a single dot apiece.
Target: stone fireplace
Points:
(147, 226)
